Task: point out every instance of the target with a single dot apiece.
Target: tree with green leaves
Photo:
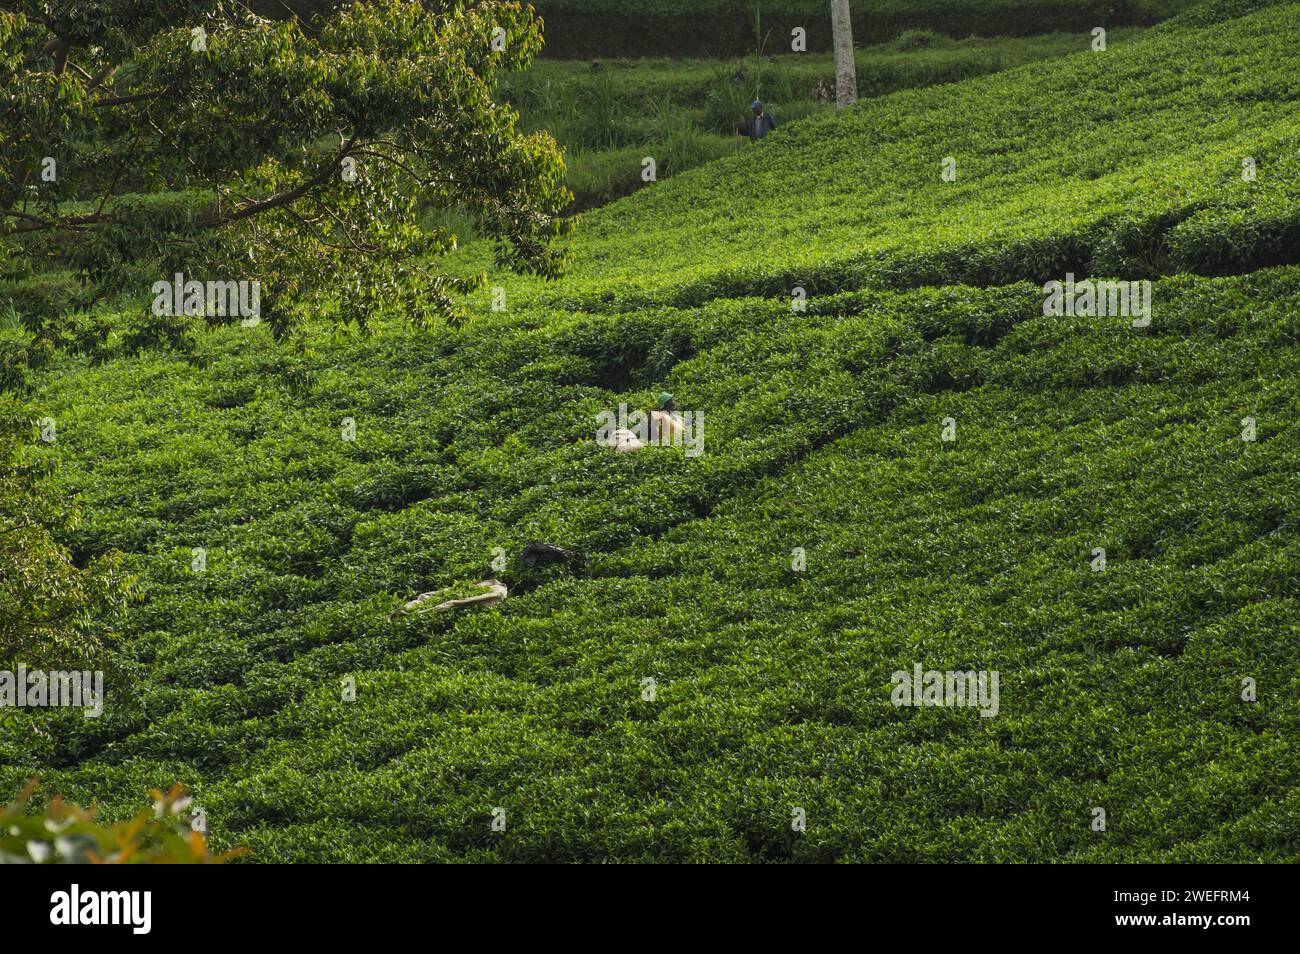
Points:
(144, 138)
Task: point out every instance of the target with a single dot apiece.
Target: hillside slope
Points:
(1121, 689)
(1081, 163)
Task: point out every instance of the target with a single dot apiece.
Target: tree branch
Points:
(396, 162)
(100, 77)
(109, 101)
(284, 198)
(37, 224)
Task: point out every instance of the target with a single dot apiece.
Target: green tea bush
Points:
(910, 40)
(39, 299)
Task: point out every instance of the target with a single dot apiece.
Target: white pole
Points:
(846, 76)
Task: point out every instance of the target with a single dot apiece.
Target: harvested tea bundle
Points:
(458, 596)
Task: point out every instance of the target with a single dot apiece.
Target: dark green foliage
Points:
(578, 28)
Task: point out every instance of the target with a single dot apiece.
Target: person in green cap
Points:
(665, 426)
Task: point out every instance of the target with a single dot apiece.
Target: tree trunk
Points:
(846, 77)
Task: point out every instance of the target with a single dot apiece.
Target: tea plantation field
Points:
(828, 535)
(1122, 162)
(609, 114)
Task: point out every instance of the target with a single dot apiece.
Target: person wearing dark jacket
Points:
(758, 125)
